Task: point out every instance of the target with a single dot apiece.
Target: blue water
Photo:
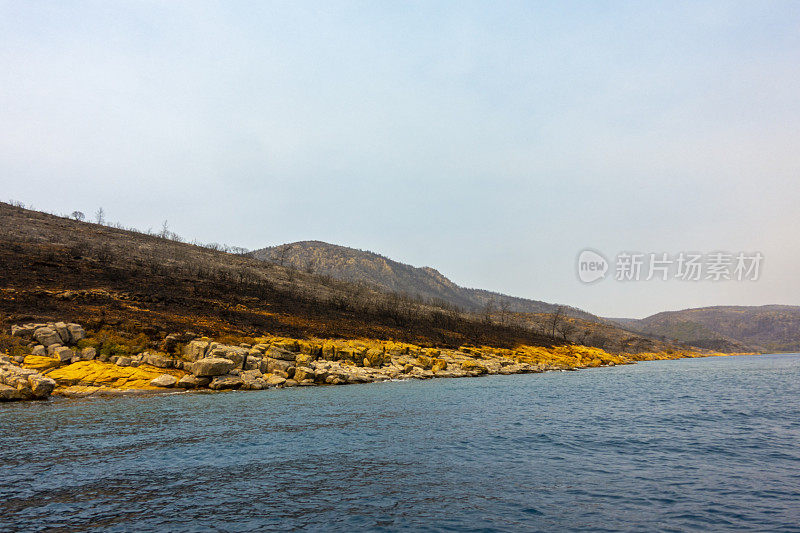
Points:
(696, 444)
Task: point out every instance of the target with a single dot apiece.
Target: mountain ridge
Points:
(355, 265)
(764, 328)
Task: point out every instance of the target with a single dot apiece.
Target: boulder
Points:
(193, 382)
(158, 360)
(51, 350)
(302, 373)
(276, 352)
(76, 332)
(64, 354)
(39, 350)
(212, 366)
(47, 336)
(63, 332)
(9, 394)
(123, 361)
(274, 380)
(275, 364)
(253, 380)
(195, 350)
(227, 381)
(41, 386)
(164, 380)
(87, 354)
(170, 343)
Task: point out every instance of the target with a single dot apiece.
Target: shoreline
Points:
(204, 365)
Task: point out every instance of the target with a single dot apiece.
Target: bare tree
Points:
(100, 216)
(164, 233)
(555, 320)
(566, 328)
(504, 311)
(78, 215)
(488, 309)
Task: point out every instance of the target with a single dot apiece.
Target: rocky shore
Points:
(59, 363)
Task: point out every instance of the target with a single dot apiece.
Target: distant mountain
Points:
(768, 328)
(353, 265)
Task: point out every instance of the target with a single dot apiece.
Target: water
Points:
(696, 444)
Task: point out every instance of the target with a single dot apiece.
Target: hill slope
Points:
(350, 264)
(768, 328)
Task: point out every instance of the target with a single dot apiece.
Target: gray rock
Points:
(164, 380)
(195, 350)
(193, 382)
(88, 354)
(10, 394)
(123, 361)
(47, 336)
(276, 364)
(63, 332)
(39, 350)
(253, 380)
(274, 380)
(212, 366)
(302, 373)
(226, 382)
(51, 350)
(41, 386)
(76, 332)
(158, 360)
(279, 353)
(64, 354)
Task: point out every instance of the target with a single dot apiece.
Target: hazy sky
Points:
(492, 141)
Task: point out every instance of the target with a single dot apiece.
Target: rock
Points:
(170, 343)
(158, 360)
(39, 350)
(276, 352)
(303, 359)
(212, 366)
(195, 350)
(41, 363)
(473, 367)
(9, 394)
(17, 383)
(63, 332)
(41, 386)
(51, 350)
(64, 354)
(76, 332)
(164, 380)
(123, 361)
(25, 331)
(47, 336)
(252, 380)
(290, 383)
(226, 382)
(274, 380)
(302, 373)
(273, 365)
(193, 382)
(87, 354)
(438, 365)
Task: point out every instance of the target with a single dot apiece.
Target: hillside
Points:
(350, 264)
(768, 328)
(55, 268)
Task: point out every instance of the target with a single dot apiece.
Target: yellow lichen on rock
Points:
(99, 374)
(40, 362)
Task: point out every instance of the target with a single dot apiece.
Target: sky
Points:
(491, 141)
